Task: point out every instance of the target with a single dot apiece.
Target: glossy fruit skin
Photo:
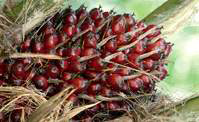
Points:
(134, 84)
(115, 80)
(40, 82)
(118, 25)
(51, 41)
(94, 88)
(52, 71)
(18, 70)
(38, 47)
(25, 46)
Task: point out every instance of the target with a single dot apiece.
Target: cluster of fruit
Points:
(103, 54)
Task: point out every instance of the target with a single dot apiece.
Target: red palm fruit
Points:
(90, 40)
(115, 80)
(16, 81)
(88, 52)
(153, 35)
(89, 74)
(108, 32)
(140, 24)
(69, 30)
(106, 14)
(96, 64)
(145, 81)
(168, 49)
(159, 44)
(48, 29)
(15, 115)
(40, 82)
(139, 47)
(70, 18)
(73, 98)
(94, 88)
(60, 52)
(18, 70)
(118, 24)
(25, 46)
(52, 71)
(110, 46)
(133, 60)
(3, 69)
(72, 52)
(88, 24)
(106, 92)
(134, 84)
(38, 47)
(149, 27)
(75, 67)
(121, 39)
(63, 65)
(126, 51)
(148, 64)
(25, 61)
(119, 59)
(99, 22)
(130, 21)
(95, 13)
(66, 76)
(79, 83)
(81, 13)
(112, 105)
(51, 41)
(52, 90)
(163, 72)
(2, 117)
(122, 71)
(1, 81)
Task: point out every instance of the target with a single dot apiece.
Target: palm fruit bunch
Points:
(102, 54)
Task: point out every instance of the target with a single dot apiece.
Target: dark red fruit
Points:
(76, 67)
(81, 13)
(94, 88)
(145, 81)
(90, 40)
(79, 83)
(52, 71)
(139, 47)
(99, 22)
(106, 14)
(2, 69)
(90, 74)
(63, 65)
(163, 72)
(118, 24)
(73, 98)
(60, 52)
(112, 105)
(96, 63)
(70, 18)
(15, 115)
(110, 46)
(120, 58)
(134, 84)
(2, 117)
(18, 70)
(88, 52)
(52, 90)
(115, 80)
(1, 82)
(16, 81)
(121, 39)
(106, 92)
(25, 46)
(38, 47)
(66, 76)
(40, 82)
(51, 41)
(95, 13)
(70, 30)
(130, 21)
(133, 60)
(148, 64)
(72, 52)
(122, 71)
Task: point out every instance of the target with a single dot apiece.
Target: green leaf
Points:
(172, 14)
